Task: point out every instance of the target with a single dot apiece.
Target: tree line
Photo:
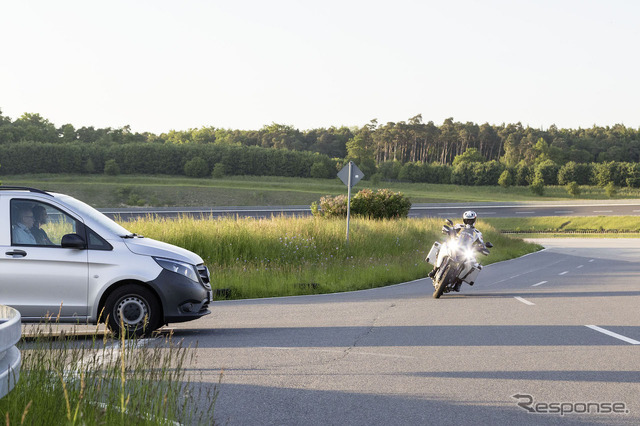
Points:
(453, 152)
(410, 141)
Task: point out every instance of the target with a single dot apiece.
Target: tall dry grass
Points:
(290, 256)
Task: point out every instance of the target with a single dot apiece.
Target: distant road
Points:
(450, 210)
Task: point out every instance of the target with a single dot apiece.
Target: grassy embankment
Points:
(114, 191)
(592, 226)
(291, 256)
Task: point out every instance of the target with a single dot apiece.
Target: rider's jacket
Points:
(460, 226)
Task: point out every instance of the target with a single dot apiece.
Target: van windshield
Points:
(89, 212)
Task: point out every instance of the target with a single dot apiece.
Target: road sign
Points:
(350, 175)
(356, 174)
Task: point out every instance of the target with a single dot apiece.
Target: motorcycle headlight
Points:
(181, 268)
(453, 244)
(468, 254)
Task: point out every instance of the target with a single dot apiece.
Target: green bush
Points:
(219, 170)
(111, 168)
(382, 204)
(196, 167)
(573, 189)
(548, 172)
(322, 170)
(329, 207)
(611, 190)
(89, 167)
(537, 186)
(575, 172)
(523, 174)
(506, 179)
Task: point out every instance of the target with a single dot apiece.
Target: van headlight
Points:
(181, 268)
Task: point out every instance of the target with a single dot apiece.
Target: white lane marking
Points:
(636, 211)
(562, 273)
(612, 334)
(489, 213)
(525, 212)
(525, 301)
(579, 266)
(603, 211)
(108, 355)
(563, 211)
(446, 214)
(540, 283)
(591, 260)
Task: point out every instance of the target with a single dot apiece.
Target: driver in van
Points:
(21, 230)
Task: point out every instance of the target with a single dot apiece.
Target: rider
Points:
(469, 219)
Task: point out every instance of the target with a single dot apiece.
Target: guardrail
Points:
(10, 331)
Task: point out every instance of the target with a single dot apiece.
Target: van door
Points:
(39, 276)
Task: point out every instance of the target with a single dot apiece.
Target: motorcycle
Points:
(456, 258)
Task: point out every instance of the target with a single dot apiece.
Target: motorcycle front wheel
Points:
(447, 276)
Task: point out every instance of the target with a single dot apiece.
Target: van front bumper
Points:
(182, 299)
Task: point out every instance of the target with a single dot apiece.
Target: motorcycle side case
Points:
(473, 274)
(432, 257)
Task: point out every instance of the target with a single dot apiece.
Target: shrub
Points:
(462, 174)
(611, 190)
(219, 170)
(322, 170)
(548, 172)
(574, 172)
(111, 168)
(382, 204)
(523, 175)
(573, 189)
(89, 167)
(506, 179)
(196, 167)
(330, 206)
(390, 169)
(537, 186)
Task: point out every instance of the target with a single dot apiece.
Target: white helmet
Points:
(469, 217)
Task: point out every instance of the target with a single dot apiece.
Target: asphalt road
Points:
(450, 210)
(540, 325)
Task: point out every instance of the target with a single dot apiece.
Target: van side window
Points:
(34, 223)
(96, 242)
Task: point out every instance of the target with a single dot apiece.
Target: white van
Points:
(62, 258)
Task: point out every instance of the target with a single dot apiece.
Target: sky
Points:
(159, 65)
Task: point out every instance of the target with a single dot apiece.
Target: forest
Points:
(412, 150)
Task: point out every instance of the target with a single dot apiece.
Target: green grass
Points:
(255, 258)
(123, 190)
(569, 225)
(100, 381)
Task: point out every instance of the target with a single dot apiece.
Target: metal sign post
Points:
(350, 175)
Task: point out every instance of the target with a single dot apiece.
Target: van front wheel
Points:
(133, 310)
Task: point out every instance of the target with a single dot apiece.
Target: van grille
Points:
(203, 271)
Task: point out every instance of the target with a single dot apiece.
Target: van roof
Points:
(23, 188)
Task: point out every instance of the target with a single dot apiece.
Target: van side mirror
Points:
(74, 241)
